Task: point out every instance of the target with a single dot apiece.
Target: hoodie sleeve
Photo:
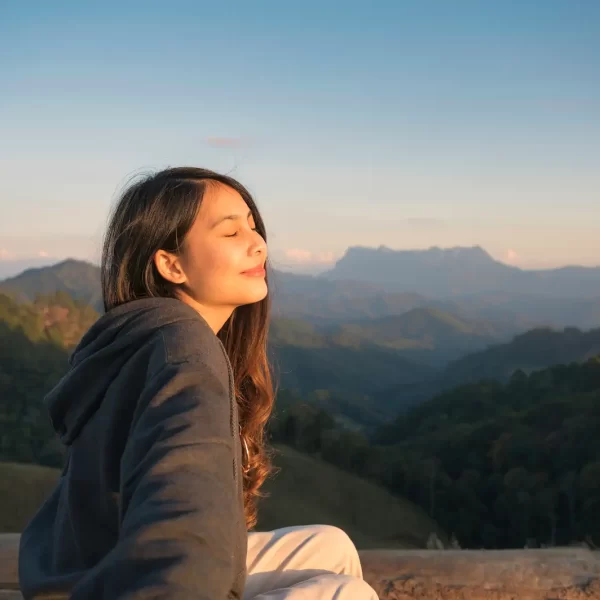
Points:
(179, 504)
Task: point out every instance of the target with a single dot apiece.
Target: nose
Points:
(259, 245)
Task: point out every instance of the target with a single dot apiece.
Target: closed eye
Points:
(235, 234)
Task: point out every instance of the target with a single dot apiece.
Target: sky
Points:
(405, 124)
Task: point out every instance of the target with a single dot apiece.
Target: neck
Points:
(215, 316)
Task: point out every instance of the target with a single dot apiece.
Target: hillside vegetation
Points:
(78, 279)
(35, 339)
(503, 463)
(305, 491)
(533, 350)
(425, 335)
(529, 351)
(509, 457)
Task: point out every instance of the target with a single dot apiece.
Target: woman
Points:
(163, 412)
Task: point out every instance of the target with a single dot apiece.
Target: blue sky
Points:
(409, 124)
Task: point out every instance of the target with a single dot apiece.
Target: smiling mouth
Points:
(255, 272)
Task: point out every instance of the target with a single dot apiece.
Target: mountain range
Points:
(368, 283)
(441, 273)
(430, 306)
(361, 339)
(78, 279)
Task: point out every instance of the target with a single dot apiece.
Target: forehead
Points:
(220, 200)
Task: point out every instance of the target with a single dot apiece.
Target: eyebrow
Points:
(230, 218)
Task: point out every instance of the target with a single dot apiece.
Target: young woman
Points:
(163, 411)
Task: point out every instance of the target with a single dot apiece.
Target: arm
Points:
(179, 505)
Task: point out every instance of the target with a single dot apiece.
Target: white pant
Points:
(315, 562)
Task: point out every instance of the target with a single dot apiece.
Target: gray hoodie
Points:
(149, 504)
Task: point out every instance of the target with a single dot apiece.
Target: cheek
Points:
(227, 257)
(214, 261)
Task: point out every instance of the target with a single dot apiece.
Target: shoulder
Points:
(191, 340)
(185, 337)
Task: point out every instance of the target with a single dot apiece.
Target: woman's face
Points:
(223, 257)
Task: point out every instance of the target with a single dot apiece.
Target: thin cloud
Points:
(300, 256)
(6, 254)
(511, 257)
(424, 222)
(224, 142)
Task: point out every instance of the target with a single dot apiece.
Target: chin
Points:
(258, 293)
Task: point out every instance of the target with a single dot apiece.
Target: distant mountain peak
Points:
(432, 250)
(72, 262)
(432, 271)
(78, 278)
(434, 255)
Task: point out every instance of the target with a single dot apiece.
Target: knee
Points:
(338, 544)
(335, 537)
(353, 588)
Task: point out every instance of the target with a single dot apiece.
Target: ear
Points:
(169, 266)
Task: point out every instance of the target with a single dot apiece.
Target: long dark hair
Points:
(156, 213)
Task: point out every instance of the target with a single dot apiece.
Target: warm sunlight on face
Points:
(223, 256)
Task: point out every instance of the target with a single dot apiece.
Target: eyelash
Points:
(235, 234)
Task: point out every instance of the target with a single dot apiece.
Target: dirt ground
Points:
(411, 590)
(561, 574)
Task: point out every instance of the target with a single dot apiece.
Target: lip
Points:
(255, 272)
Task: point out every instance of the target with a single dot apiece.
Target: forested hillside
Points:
(499, 461)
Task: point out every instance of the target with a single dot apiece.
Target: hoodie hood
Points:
(101, 354)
